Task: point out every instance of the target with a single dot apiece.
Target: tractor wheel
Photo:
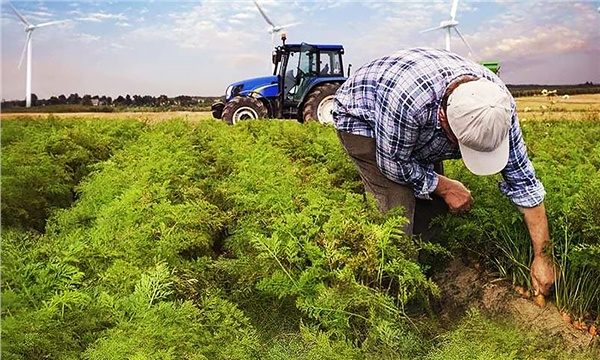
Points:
(319, 104)
(243, 108)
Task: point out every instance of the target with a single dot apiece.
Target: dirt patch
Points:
(463, 288)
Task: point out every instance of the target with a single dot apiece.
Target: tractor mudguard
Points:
(217, 109)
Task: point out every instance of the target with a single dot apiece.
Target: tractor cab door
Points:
(288, 73)
(307, 69)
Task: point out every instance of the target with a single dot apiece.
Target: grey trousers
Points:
(390, 194)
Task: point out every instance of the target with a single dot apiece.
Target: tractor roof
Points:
(318, 46)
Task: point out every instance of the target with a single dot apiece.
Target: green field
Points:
(172, 236)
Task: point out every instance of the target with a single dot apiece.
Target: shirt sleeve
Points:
(396, 135)
(520, 184)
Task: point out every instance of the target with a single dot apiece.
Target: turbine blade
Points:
(464, 41)
(51, 23)
(454, 8)
(19, 14)
(263, 14)
(289, 25)
(25, 48)
(432, 29)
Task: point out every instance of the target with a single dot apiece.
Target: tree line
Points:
(186, 101)
(119, 101)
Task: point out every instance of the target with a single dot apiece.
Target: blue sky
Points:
(198, 47)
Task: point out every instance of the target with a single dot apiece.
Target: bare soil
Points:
(463, 288)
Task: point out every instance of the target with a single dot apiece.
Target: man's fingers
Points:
(539, 287)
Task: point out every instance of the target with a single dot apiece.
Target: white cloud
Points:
(100, 17)
(85, 38)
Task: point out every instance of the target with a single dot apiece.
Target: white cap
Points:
(479, 113)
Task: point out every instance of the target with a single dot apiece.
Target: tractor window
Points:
(330, 64)
(308, 60)
(288, 72)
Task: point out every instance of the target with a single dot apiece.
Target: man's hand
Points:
(542, 275)
(455, 194)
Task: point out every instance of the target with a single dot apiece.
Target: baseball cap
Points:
(479, 113)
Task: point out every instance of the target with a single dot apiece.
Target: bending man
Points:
(400, 115)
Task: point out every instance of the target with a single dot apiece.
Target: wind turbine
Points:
(274, 28)
(448, 25)
(27, 49)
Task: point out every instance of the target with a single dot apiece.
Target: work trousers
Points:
(390, 194)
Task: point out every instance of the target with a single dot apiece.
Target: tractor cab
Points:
(301, 67)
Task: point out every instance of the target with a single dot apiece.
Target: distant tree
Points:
(62, 99)
(128, 100)
(53, 100)
(136, 100)
(162, 100)
(120, 101)
(73, 99)
(148, 100)
(86, 100)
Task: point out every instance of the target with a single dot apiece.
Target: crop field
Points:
(175, 236)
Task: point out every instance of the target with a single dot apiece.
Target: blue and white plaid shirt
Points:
(395, 99)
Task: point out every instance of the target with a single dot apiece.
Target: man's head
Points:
(479, 114)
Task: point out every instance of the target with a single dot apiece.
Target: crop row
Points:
(201, 239)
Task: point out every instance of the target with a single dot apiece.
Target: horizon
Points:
(110, 48)
(549, 86)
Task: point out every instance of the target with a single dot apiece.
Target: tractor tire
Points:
(319, 104)
(243, 108)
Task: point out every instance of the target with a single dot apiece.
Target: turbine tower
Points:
(448, 25)
(273, 28)
(28, 49)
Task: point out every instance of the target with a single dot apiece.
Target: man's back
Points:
(400, 85)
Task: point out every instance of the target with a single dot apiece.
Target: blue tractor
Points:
(304, 81)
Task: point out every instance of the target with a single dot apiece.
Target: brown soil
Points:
(463, 288)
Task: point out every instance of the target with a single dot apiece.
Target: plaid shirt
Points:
(395, 99)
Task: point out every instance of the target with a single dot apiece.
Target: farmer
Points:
(400, 115)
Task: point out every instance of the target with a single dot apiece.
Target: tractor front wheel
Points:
(243, 108)
(319, 104)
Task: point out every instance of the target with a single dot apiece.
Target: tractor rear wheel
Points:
(319, 104)
(243, 108)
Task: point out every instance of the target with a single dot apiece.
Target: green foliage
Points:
(153, 326)
(479, 338)
(207, 241)
(44, 160)
(566, 156)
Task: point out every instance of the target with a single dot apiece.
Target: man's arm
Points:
(542, 272)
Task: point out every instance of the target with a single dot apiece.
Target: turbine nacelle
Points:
(448, 23)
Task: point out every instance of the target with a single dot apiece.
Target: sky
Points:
(199, 47)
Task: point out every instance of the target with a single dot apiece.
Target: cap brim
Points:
(486, 163)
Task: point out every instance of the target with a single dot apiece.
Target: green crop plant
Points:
(566, 157)
(247, 241)
(43, 160)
